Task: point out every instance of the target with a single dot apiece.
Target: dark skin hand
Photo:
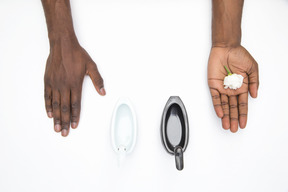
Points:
(230, 105)
(67, 64)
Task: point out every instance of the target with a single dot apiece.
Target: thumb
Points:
(96, 78)
(253, 80)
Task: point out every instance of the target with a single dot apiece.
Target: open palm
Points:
(232, 105)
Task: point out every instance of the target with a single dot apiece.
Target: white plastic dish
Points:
(123, 128)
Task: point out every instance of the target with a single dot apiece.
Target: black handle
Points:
(179, 158)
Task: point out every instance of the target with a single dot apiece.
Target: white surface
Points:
(147, 50)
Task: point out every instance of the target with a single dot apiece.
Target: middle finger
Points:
(233, 113)
(65, 112)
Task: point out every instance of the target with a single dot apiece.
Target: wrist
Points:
(226, 34)
(226, 43)
(63, 36)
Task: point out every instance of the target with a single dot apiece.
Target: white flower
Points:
(233, 81)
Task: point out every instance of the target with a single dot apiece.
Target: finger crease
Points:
(243, 115)
(65, 124)
(224, 103)
(74, 106)
(225, 115)
(233, 106)
(215, 97)
(55, 105)
(242, 104)
(64, 109)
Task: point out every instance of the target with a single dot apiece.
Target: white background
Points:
(148, 51)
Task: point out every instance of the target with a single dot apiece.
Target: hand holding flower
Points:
(231, 105)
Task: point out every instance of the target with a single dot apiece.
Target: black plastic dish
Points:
(175, 132)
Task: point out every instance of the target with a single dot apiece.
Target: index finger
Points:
(75, 106)
(243, 109)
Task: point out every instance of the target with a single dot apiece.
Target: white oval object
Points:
(233, 81)
(123, 128)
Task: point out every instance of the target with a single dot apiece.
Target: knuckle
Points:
(64, 108)
(74, 118)
(55, 104)
(48, 107)
(98, 81)
(65, 125)
(47, 96)
(75, 106)
(57, 121)
(76, 85)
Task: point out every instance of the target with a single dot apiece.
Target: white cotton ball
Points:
(233, 81)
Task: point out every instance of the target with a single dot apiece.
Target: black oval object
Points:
(175, 129)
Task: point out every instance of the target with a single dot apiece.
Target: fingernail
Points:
(57, 128)
(50, 114)
(64, 132)
(74, 125)
(102, 91)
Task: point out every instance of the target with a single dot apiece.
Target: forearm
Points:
(226, 22)
(59, 20)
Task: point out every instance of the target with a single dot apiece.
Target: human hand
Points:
(232, 105)
(66, 67)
